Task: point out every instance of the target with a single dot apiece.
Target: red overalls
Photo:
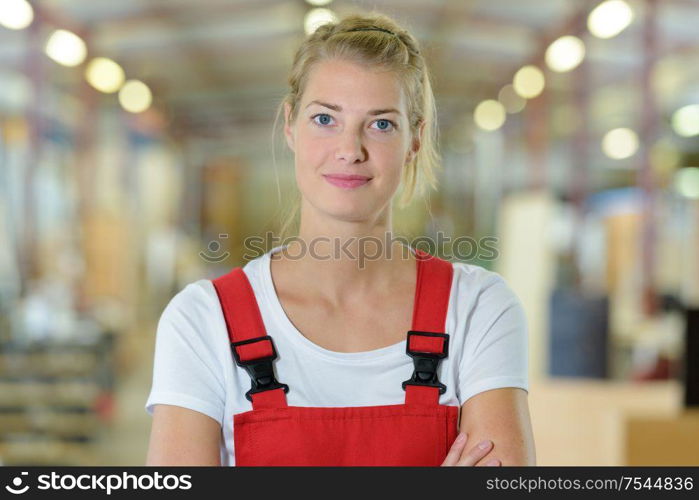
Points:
(416, 433)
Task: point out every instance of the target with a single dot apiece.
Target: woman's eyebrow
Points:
(335, 107)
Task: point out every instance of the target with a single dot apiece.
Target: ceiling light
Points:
(529, 82)
(685, 121)
(565, 54)
(609, 18)
(489, 115)
(66, 48)
(511, 100)
(105, 75)
(620, 143)
(317, 17)
(687, 182)
(16, 14)
(135, 96)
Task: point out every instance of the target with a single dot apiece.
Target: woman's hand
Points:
(457, 455)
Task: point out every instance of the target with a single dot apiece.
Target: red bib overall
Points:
(416, 433)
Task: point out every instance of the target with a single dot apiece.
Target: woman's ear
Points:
(288, 132)
(416, 143)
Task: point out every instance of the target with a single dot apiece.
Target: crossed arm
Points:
(500, 416)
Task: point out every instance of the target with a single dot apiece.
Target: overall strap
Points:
(427, 342)
(252, 348)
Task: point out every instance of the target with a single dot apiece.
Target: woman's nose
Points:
(350, 147)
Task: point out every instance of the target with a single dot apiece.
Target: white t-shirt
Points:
(194, 367)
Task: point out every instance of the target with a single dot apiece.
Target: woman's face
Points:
(351, 140)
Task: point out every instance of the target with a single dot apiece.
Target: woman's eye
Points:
(324, 119)
(385, 125)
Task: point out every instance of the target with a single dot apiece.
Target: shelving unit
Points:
(54, 398)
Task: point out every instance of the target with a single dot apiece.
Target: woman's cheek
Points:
(310, 153)
(394, 165)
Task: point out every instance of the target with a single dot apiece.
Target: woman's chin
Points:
(348, 212)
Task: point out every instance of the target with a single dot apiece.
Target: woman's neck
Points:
(345, 260)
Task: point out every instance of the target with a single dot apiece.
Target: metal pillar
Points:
(645, 178)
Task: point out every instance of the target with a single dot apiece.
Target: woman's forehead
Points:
(353, 87)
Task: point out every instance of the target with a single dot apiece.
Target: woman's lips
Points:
(347, 181)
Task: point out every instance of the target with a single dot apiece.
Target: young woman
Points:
(313, 356)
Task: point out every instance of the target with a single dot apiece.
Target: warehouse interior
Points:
(137, 154)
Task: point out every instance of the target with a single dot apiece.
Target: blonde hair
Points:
(396, 50)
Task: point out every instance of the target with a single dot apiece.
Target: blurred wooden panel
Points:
(623, 249)
(223, 186)
(111, 269)
(582, 422)
(663, 440)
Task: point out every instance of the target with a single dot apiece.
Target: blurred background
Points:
(136, 155)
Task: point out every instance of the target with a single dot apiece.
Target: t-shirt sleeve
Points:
(186, 369)
(495, 347)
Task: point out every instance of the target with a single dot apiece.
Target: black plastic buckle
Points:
(426, 363)
(261, 370)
